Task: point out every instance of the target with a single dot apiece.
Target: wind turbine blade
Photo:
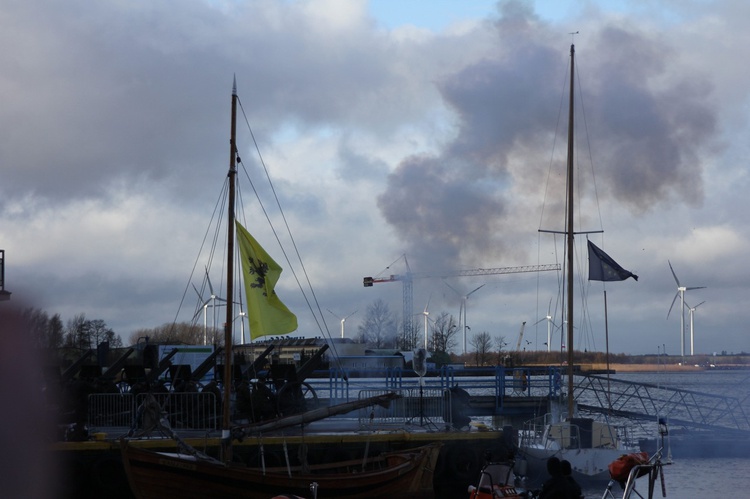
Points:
(675, 275)
(454, 289)
(208, 278)
(672, 305)
(701, 303)
(477, 289)
(428, 304)
(695, 287)
(540, 320)
(196, 291)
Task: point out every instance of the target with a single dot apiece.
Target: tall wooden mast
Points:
(226, 430)
(570, 234)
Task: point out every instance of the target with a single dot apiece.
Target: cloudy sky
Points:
(428, 132)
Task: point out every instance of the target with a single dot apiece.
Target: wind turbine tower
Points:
(464, 299)
(426, 315)
(342, 319)
(548, 318)
(692, 335)
(212, 300)
(681, 293)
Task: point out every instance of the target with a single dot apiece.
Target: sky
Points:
(432, 133)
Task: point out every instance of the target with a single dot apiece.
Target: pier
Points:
(509, 396)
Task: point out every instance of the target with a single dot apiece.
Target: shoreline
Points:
(633, 368)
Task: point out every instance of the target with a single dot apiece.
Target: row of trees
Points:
(80, 333)
(49, 332)
(488, 350)
(179, 333)
(380, 330)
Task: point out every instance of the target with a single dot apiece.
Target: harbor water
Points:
(697, 478)
(694, 476)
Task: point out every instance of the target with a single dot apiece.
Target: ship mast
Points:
(226, 438)
(570, 235)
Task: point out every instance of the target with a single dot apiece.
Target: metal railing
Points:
(183, 410)
(645, 401)
(539, 432)
(430, 407)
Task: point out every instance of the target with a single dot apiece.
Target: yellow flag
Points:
(268, 316)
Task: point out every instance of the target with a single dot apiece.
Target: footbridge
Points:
(647, 401)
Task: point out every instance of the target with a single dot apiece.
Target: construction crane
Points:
(408, 278)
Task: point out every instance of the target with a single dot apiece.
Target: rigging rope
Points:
(318, 317)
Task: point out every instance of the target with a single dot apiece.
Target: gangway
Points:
(647, 401)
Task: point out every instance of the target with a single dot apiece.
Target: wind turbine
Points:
(241, 316)
(342, 320)
(681, 293)
(691, 310)
(464, 299)
(550, 323)
(212, 299)
(426, 316)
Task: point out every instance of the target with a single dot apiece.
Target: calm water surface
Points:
(699, 478)
(695, 477)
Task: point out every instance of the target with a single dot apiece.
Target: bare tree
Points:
(36, 322)
(482, 343)
(179, 333)
(100, 332)
(444, 333)
(77, 333)
(379, 326)
(55, 332)
(500, 344)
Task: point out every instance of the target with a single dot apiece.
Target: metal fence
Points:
(429, 406)
(183, 410)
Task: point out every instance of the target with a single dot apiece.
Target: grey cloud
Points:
(648, 121)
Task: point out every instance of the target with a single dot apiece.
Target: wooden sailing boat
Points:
(155, 475)
(193, 474)
(589, 445)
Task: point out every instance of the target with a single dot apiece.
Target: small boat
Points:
(589, 445)
(156, 475)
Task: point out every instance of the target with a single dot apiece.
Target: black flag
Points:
(603, 268)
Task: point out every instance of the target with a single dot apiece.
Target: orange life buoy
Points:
(619, 469)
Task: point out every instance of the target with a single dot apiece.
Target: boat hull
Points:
(155, 475)
(589, 465)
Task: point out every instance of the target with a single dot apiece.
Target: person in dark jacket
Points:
(567, 472)
(556, 486)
